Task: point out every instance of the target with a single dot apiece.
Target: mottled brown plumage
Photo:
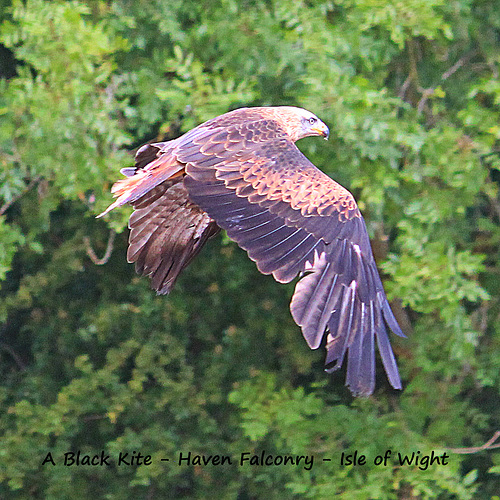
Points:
(243, 173)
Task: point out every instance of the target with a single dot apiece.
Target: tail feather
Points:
(135, 186)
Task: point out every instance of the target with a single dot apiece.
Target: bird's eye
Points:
(312, 120)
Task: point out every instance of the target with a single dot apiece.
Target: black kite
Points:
(243, 173)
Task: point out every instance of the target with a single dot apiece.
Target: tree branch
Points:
(107, 253)
(14, 355)
(489, 445)
(404, 87)
(429, 91)
(30, 186)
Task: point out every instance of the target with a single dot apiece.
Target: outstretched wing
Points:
(293, 219)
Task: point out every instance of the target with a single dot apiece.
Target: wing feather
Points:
(293, 219)
(292, 262)
(242, 172)
(166, 231)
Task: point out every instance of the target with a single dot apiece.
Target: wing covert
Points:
(292, 219)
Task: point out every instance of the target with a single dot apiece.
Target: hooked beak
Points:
(322, 129)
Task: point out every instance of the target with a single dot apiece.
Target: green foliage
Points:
(11, 238)
(91, 359)
(294, 422)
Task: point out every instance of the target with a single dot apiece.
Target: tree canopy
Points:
(91, 359)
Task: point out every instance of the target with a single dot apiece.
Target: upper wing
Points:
(293, 219)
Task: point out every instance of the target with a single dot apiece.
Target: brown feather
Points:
(242, 172)
(167, 233)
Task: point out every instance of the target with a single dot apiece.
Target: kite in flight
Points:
(242, 172)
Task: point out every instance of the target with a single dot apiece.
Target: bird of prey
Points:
(242, 172)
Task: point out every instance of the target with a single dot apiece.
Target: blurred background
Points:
(91, 359)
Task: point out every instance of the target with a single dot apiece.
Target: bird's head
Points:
(301, 123)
